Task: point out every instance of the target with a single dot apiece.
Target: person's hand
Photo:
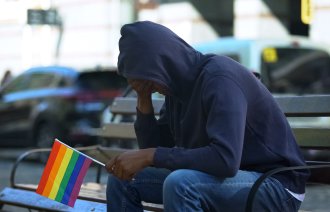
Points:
(127, 164)
(144, 89)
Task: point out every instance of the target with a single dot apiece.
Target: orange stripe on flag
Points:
(54, 171)
(49, 166)
(60, 173)
(64, 173)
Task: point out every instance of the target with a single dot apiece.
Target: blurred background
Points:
(58, 60)
(58, 57)
(84, 34)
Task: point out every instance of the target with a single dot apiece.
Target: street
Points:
(316, 200)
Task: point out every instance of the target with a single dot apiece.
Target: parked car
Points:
(293, 65)
(50, 102)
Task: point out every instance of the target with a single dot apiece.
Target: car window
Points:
(296, 70)
(101, 80)
(17, 84)
(64, 81)
(41, 80)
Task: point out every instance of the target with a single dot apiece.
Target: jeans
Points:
(191, 190)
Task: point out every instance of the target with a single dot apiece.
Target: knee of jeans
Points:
(113, 183)
(178, 180)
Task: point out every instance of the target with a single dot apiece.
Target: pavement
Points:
(317, 197)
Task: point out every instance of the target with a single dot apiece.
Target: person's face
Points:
(147, 86)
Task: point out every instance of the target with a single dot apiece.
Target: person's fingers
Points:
(127, 175)
(110, 166)
(149, 87)
(142, 87)
(122, 173)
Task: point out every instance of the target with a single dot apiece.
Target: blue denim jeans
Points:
(190, 190)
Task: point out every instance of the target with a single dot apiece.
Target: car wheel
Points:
(45, 135)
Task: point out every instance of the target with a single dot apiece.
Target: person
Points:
(6, 78)
(218, 131)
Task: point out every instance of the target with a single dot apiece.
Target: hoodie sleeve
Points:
(151, 132)
(225, 107)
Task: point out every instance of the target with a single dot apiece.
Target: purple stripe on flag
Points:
(79, 181)
(72, 181)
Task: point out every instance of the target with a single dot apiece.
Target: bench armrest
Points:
(28, 153)
(258, 183)
(19, 160)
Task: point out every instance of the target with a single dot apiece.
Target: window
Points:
(296, 70)
(16, 85)
(101, 80)
(41, 80)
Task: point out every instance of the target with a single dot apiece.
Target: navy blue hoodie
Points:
(218, 118)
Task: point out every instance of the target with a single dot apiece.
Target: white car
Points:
(293, 65)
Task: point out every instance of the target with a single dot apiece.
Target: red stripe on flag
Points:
(54, 171)
(79, 181)
(48, 168)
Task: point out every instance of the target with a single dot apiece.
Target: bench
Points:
(23, 195)
(92, 196)
(121, 129)
(313, 136)
(309, 136)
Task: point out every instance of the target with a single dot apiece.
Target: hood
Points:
(153, 52)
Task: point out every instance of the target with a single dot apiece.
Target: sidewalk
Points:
(317, 198)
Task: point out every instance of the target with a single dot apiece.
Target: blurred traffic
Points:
(291, 65)
(50, 102)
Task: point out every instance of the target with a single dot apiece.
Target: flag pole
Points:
(96, 161)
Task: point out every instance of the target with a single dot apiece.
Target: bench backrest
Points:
(305, 106)
(127, 105)
(292, 106)
(311, 135)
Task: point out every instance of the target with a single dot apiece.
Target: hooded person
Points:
(218, 131)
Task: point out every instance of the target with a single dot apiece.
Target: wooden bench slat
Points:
(127, 105)
(30, 199)
(305, 106)
(119, 130)
(313, 137)
(306, 136)
(308, 105)
(89, 191)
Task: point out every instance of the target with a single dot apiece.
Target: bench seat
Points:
(32, 200)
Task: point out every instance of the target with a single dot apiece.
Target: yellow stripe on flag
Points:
(54, 171)
(60, 173)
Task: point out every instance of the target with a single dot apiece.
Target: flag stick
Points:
(96, 161)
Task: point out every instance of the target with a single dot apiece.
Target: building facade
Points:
(85, 33)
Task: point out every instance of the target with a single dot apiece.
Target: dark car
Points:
(50, 102)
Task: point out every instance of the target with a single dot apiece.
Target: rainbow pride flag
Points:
(63, 174)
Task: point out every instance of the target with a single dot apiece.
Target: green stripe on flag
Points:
(67, 176)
